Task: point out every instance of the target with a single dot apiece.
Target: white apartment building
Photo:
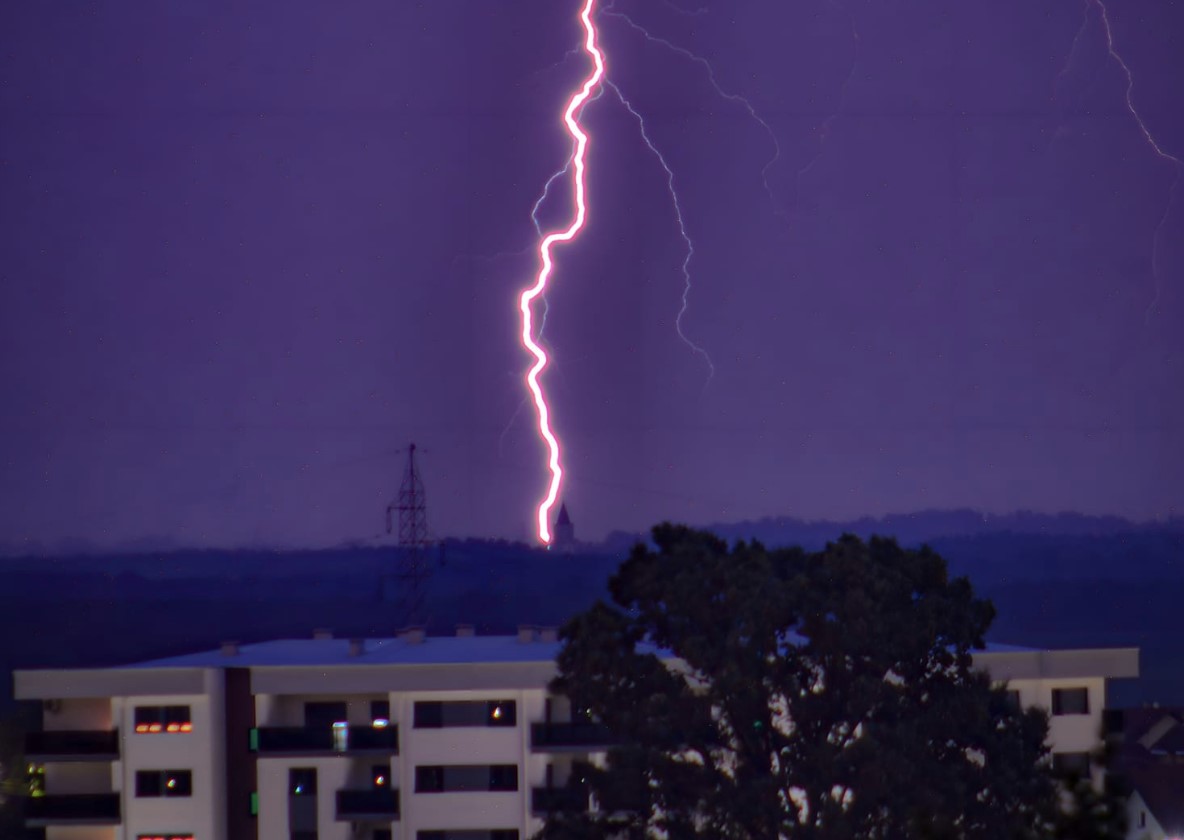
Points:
(417, 738)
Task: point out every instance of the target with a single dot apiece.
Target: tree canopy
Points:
(779, 693)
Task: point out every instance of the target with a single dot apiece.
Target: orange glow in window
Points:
(142, 727)
(155, 727)
(187, 727)
(173, 727)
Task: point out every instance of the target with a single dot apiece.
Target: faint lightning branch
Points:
(528, 296)
(1151, 141)
(730, 97)
(682, 229)
(825, 127)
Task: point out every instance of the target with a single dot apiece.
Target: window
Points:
(381, 834)
(302, 781)
(380, 713)
(303, 835)
(1013, 700)
(1070, 701)
(164, 837)
(503, 777)
(437, 715)
(324, 715)
(155, 719)
(254, 806)
(170, 783)
(1070, 763)
(466, 777)
(469, 834)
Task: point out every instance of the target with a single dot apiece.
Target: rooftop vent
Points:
(526, 633)
(464, 631)
(412, 635)
(230, 648)
(322, 633)
(548, 634)
(357, 647)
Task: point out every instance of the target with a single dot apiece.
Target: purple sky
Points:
(248, 254)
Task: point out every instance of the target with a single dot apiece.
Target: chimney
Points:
(322, 633)
(526, 633)
(411, 635)
(230, 648)
(465, 631)
(357, 647)
(548, 634)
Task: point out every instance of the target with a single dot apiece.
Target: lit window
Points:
(154, 719)
(340, 736)
(169, 783)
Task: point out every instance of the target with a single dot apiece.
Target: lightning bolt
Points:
(1168, 157)
(736, 98)
(528, 296)
(682, 228)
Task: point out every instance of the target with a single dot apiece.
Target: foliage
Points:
(812, 695)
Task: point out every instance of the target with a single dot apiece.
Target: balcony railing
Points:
(371, 804)
(73, 809)
(301, 740)
(558, 737)
(558, 800)
(72, 745)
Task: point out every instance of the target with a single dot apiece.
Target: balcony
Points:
(558, 800)
(569, 737)
(301, 740)
(72, 745)
(380, 804)
(73, 809)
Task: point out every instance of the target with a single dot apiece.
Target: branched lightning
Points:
(682, 229)
(730, 97)
(528, 296)
(1160, 152)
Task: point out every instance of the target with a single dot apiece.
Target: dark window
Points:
(429, 779)
(380, 710)
(1013, 700)
(469, 834)
(323, 715)
(456, 778)
(302, 781)
(1142, 819)
(503, 777)
(303, 835)
(381, 834)
(380, 775)
(154, 719)
(1070, 763)
(436, 715)
(164, 837)
(171, 783)
(1070, 701)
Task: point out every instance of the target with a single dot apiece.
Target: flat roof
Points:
(431, 650)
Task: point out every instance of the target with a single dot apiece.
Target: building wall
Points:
(200, 751)
(333, 774)
(1067, 733)
(83, 832)
(77, 713)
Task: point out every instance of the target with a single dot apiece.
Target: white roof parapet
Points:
(1110, 663)
(107, 682)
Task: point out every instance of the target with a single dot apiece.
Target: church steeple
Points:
(565, 531)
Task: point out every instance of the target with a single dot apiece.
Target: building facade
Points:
(411, 738)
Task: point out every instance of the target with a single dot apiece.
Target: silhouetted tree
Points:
(765, 694)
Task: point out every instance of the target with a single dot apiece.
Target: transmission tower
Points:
(414, 567)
